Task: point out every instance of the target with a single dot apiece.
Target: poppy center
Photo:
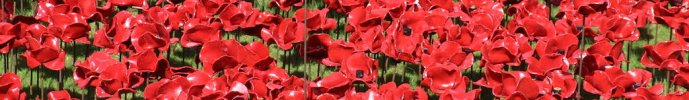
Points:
(560, 51)
(637, 85)
(467, 50)
(556, 91)
(359, 74)
(407, 31)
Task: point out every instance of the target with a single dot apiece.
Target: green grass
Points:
(38, 82)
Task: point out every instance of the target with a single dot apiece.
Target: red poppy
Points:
(402, 40)
(391, 91)
(69, 26)
(360, 67)
(619, 28)
(286, 33)
(116, 79)
(533, 26)
(370, 40)
(445, 80)
(344, 6)
(46, 52)
(146, 61)
(566, 45)
(647, 93)
(234, 16)
(168, 89)
(286, 5)
(614, 83)
(11, 36)
(134, 3)
(200, 34)
(338, 52)
(335, 84)
(681, 77)
(216, 55)
(682, 34)
(150, 36)
(511, 84)
(317, 48)
(448, 53)
(364, 18)
(661, 53)
(666, 16)
(527, 8)
(560, 84)
(505, 50)
(88, 70)
(11, 87)
(59, 95)
(315, 19)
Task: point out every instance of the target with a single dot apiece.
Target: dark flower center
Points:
(556, 91)
(359, 74)
(407, 31)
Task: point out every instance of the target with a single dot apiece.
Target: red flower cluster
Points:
(530, 56)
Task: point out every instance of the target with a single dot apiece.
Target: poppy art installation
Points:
(344, 49)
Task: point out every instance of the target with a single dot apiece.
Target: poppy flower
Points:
(11, 36)
(370, 40)
(566, 45)
(647, 93)
(134, 3)
(663, 52)
(548, 63)
(168, 89)
(527, 8)
(315, 19)
(448, 53)
(215, 55)
(59, 95)
(620, 28)
(113, 36)
(200, 34)
(505, 50)
(681, 78)
(391, 91)
(338, 51)
(150, 36)
(335, 84)
(89, 70)
(11, 87)
(682, 34)
(146, 61)
(559, 84)
(318, 47)
(364, 18)
(69, 27)
(511, 84)
(46, 52)
(344, 6)
(285, 5)
(442, 79)
(533, 26)
(360, 67)
(234, 16)
(402, 41)
(666, 16)
(614, 83)
(117, 79)
(286, 33)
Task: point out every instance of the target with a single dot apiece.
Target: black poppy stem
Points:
(667, 79)
(386, 67)
(629, 52)
(306, 66)
(581, 56)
